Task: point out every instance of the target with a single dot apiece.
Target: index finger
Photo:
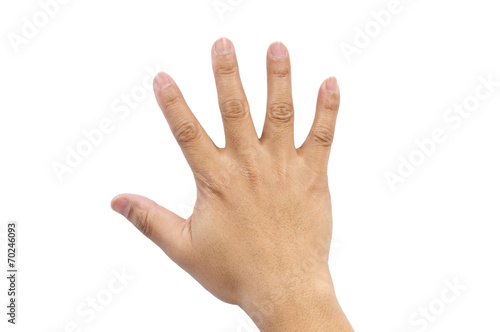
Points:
(192, 138)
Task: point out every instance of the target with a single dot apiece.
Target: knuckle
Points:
(281, 72)
(323, 135)
(171, 100)
(145, 221)
(186, 132)
(226, 68)
(233, 109)
(250, 167)
(281, 112)
(213, 185)
(251, 174)
(332, 105)
(317, 180)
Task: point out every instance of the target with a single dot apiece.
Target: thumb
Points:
(162, 226)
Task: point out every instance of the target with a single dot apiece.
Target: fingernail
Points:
(278, 50)
(122, 206)
(331, 85)
(222, 46)
(162, 81)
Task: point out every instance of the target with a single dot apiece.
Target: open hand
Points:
(260, 232)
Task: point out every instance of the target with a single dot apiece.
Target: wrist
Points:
(299, 303)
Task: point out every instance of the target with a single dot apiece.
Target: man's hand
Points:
(260, 232)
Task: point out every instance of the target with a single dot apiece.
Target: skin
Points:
(260, 233)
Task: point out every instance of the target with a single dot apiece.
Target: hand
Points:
(260, 232)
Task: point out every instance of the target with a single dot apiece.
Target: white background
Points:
(393, 250)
